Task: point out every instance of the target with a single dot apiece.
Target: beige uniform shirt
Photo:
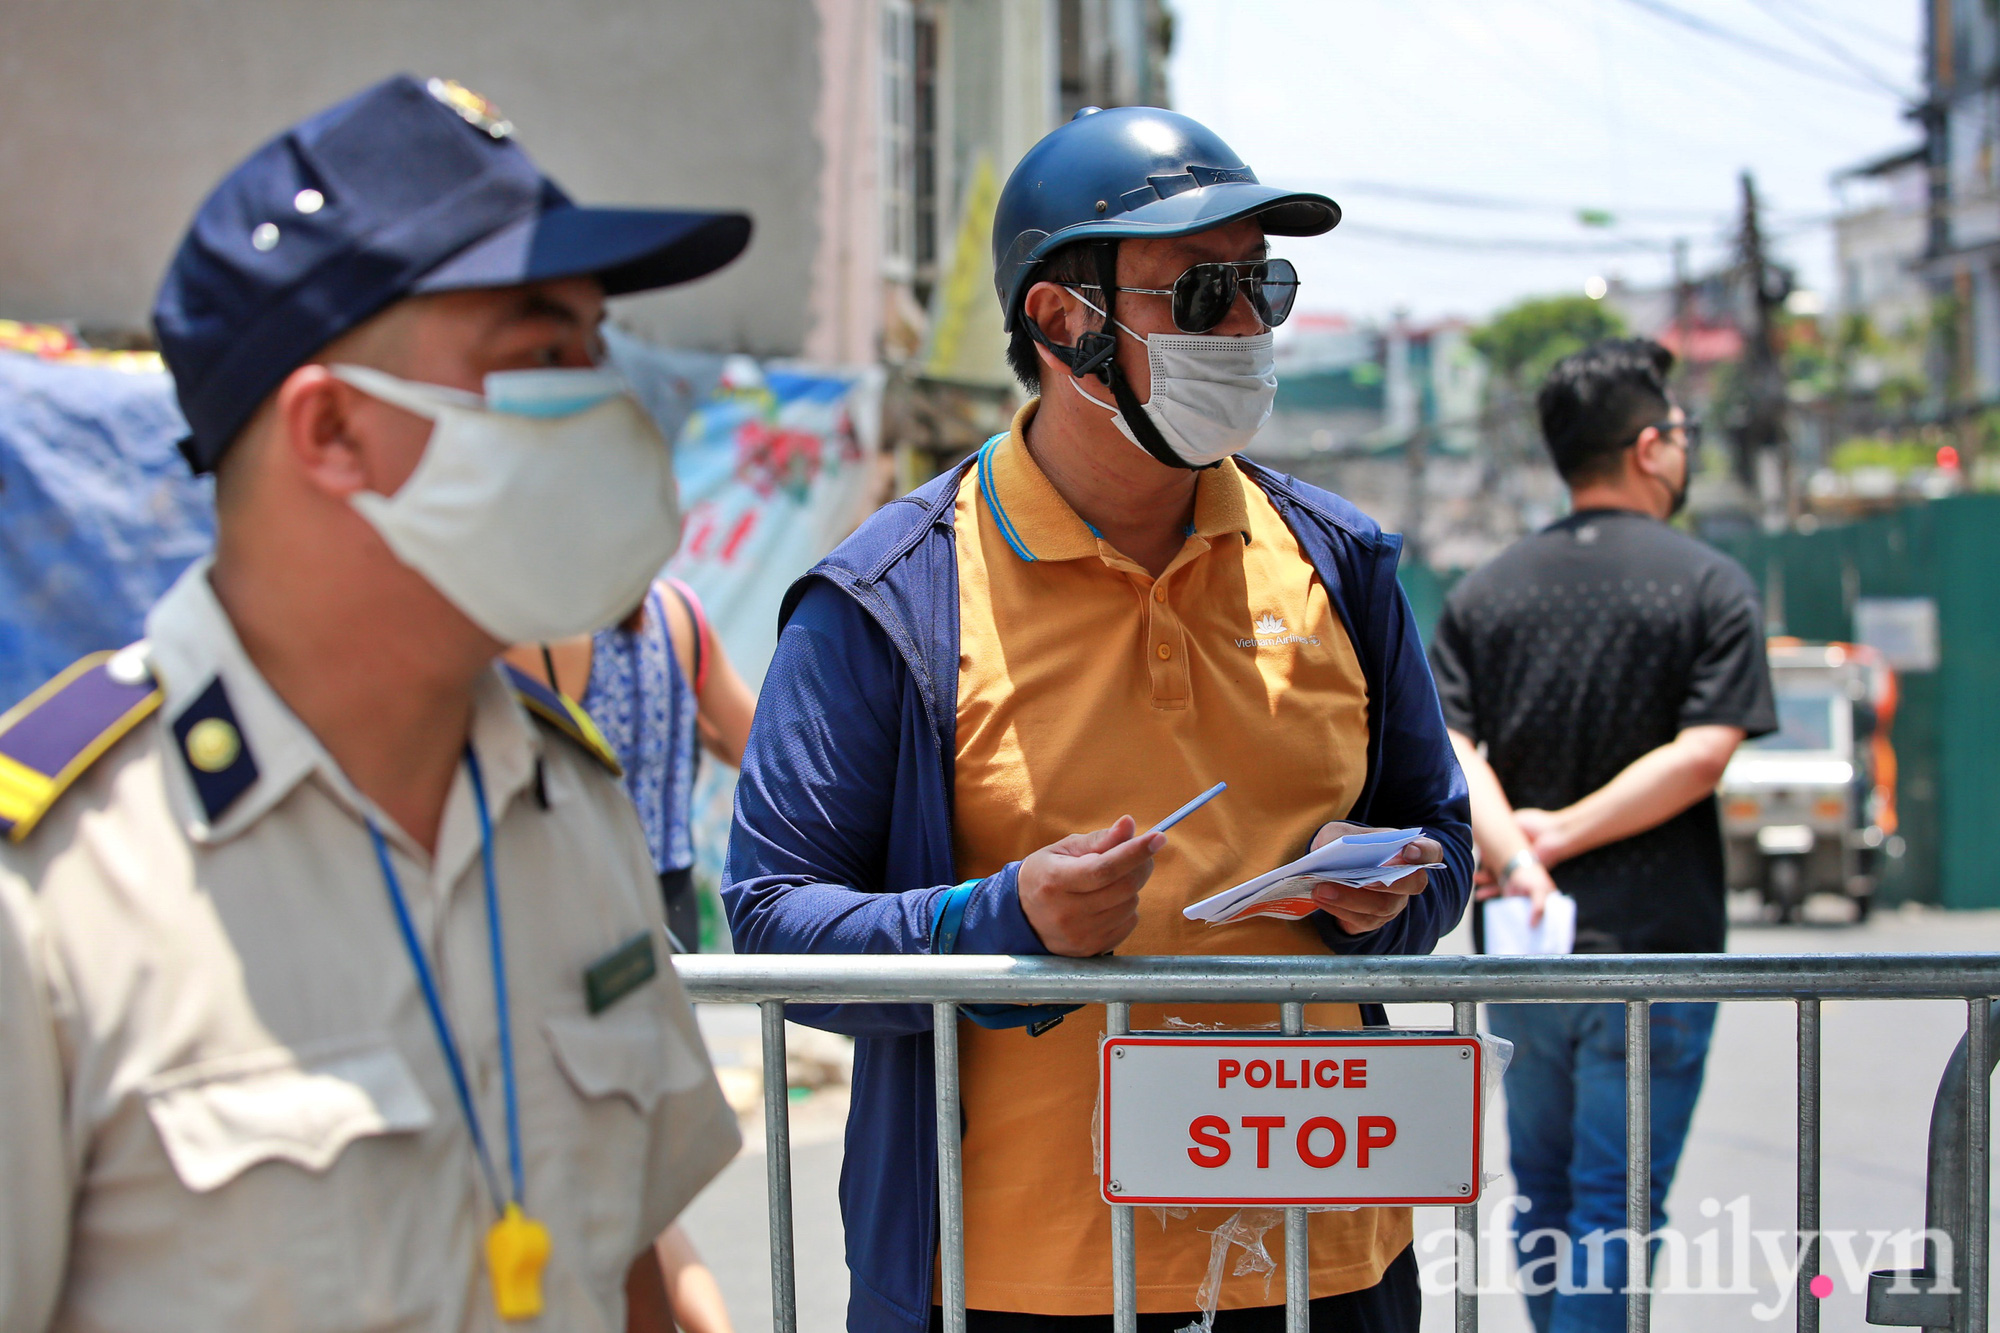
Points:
(222, 1102)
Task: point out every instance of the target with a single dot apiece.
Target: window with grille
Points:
(899, 125)
(909, 144)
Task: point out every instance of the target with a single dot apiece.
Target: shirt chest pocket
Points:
(622, 1069)
(221, 1117)
(629, 1052)
(297, 1228)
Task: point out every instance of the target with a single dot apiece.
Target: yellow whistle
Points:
(517, 1249)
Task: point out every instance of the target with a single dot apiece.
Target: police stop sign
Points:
(1240, 1118)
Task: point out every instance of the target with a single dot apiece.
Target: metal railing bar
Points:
(1978, 1147)
(1124, 1241)
(1808, 1165)
(862, 979)
(1957, 1201)
(951, 1185)
(1638, 1164)
(1465, 1218)
(778, 1168)
(1298, 1258)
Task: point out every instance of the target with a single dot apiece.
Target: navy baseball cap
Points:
(405, 188)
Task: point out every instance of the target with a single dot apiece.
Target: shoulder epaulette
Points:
(565, 715)
(52, 737)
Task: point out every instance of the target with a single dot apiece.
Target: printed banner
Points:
(776, 467)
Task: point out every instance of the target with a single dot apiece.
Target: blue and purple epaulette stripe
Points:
(565, 716)
(50, 738)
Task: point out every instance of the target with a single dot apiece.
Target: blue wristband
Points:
(950, 916)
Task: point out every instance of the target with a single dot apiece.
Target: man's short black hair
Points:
(1595, 402)
(1072, 265)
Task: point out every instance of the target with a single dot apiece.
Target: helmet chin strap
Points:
(1095, 354)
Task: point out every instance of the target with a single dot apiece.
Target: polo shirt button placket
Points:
(1168, 669)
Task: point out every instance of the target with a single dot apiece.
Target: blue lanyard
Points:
(435, 1003)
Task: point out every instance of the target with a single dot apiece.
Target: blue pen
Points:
(1188, 809)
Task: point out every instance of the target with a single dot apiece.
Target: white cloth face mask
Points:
(542, 511)
(1210, 395)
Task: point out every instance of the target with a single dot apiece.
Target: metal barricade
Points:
(1636, 981)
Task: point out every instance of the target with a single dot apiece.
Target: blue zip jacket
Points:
(843, 833)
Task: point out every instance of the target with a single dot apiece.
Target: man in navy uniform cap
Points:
(333, 989)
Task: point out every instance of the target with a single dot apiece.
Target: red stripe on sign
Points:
(701, 526)
(738, 535)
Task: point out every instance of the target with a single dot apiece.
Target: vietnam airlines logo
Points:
(1271, 633)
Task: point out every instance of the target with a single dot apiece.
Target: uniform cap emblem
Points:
(475, 110)
(213, 744)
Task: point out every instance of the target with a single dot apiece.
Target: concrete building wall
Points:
(993, 97)
(847, 291)
(116, 117)
(1962, 124)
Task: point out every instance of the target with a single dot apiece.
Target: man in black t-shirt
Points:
(1609, 666)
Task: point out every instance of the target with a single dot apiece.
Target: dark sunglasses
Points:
(1667, 428)
(1205, 294)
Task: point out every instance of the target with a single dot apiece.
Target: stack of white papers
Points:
(1358, 858)
(1508, 931)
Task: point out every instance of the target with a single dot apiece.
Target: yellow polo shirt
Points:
(1089, 690)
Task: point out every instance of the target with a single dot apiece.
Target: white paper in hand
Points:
(1286, 892)
(1508, 931)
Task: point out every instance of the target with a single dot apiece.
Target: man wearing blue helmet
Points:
(334, 991)
(985, 693)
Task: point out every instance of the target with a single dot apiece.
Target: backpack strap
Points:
(698, 621)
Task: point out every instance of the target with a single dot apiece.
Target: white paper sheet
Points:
(1508, 931)
(1287, 891)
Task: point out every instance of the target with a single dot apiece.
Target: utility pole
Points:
(1683, 303)
(1403, 409)
(1684, 326)
(1416, 463)
(1761, 444)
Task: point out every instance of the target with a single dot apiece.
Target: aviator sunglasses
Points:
(1205, 293)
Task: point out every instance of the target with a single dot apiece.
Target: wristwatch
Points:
(1525, 857)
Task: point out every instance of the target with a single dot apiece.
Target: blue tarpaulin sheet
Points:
(98, 512)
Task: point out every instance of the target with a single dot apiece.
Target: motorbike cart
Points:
(1810, 808)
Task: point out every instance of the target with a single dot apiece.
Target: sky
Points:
(1535, 109)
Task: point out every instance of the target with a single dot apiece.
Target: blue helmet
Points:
(1134, 171)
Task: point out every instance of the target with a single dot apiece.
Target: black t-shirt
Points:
(1579, 649)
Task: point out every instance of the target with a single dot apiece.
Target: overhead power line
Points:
(1517, 204)
(1515, 244)
(1776, 54)
(1825, 43)
(1901, 45)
